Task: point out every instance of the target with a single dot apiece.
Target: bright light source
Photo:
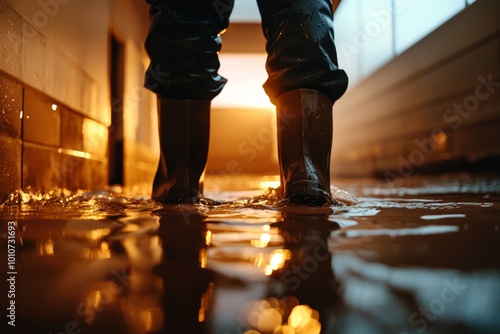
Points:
(246, 73)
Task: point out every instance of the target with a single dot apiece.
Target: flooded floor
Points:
(413, 256)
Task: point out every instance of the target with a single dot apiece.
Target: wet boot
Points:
(184, 128)
(304, 119)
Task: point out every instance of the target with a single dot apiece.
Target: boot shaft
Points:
(184, 131)
(305, 129)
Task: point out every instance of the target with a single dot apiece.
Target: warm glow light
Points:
(441, 139)
(268, 320)
(266, 227)
(259, 259)
(208, 237)
(21, 114)
(97, 234)
(101, 253)
(146, 319)
(277, 260)
(246, 73)
(269, 316)
(151, 319)
(270, 184)
(284, 330)
(203, 258)
(103, 293)
(46, 248)
(95, 299)
(268, 270)
(299, 317)
(54, 107)
(205, 302)
(94, 135)
(262, 242)
(75, 153)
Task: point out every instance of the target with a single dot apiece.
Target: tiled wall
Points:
(45, 144)
(435, 106)
(55, 96)
(10, 136)
(368, 34)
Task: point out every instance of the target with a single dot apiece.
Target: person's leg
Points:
(301, 49)
(304, 81)
(183, 44)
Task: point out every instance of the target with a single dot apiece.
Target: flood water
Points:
(417, 255)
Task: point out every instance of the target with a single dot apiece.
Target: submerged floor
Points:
(419, 255)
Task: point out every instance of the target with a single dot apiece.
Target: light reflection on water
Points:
(240, 263)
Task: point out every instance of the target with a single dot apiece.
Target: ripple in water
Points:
(62, 203)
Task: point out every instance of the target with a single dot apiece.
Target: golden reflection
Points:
(203, 258)
(284, 316)
(45, 248)
(205, 302)
(270, 184)
(208, 238)
(441, 140)
(300, 316)
(75, 153)
(103, 294)
(258, 260)
(440, 137)
(268, 271)
(277, 260)
(151, 319)
(262, 242)
(94, 299)
(269, 319)
(101, 253)
(98, 234)
(284, 330)
(95, 137)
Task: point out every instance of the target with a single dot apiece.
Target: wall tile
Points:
(89, 98)
(95, 138)
(10, 166)
(33, 58)
(98, 173)
(74, 172)
(58, 68)
(83, 134)
(41, 123)
(71, 130)
(11, 103)
(10, 40)
(42, 167)
(408, 17)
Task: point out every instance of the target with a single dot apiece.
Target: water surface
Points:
(413, 256)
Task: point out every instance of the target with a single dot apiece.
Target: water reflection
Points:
(100, 262)
(187, 285)
(301, 285)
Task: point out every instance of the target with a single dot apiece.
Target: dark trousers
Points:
(184, 41)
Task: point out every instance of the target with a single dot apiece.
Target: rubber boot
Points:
(184, 129)
(304, 119)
